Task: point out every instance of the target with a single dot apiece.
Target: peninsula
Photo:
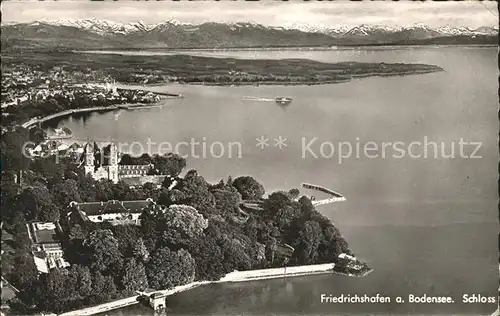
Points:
(216, 71)
(80, 240)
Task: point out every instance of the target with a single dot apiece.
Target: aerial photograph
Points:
(249, 158)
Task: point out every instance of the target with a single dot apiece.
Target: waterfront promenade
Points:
(128, 106)
(236, 276)
(35, 121)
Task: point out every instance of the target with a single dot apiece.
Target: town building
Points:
(45, 246)
(114, 212)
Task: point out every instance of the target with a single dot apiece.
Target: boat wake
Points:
(249, 98)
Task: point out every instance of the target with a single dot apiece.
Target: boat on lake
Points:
(283, 100)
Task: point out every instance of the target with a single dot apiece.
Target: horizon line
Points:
(286, 25)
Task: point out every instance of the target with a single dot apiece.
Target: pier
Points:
(335, 196)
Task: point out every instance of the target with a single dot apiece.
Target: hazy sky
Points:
(267, 12)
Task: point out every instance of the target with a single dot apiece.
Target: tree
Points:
(127, 235)
(103, 288)
(65, 192)
(49, 168)
(333, 244)
(249, 188)
(167, 269)
(193, 190)
(227, 202)
(59, 290)
(104, 190)
(77, 232)
(308, 242)
(270, 249)
(209, 257)
(235, 257)
(286, 216)
(9, 191)
(11, 150)
(122, 191)
(134, 276)
(25, 270)
(140, 252)
(37, 205)
(150, 191)
(294, 193)
(103, 250)
(83, 280)
(87, 188)
(276, 202)
(185, 219)
(306, 205)
(169, 164)
(126, 159)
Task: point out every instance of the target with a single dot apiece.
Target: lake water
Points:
(426, 225)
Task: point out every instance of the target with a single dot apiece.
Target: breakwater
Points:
(336, 197)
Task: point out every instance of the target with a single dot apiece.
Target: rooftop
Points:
(44, 233)
(113, 206)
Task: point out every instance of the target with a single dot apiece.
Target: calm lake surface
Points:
(426, 225)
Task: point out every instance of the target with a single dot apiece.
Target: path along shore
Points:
(236, 276)
(128, 106)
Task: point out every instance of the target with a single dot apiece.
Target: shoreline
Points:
(128, 106)
(165, 95)
(129, 85)
(232, 277)
(111, 50)
(290, 82)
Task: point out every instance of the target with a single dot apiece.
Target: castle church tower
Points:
(89, 166)
(113, 163)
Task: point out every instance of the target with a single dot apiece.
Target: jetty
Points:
(335, 196)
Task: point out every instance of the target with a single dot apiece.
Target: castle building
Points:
(103, 164)
(114, 212)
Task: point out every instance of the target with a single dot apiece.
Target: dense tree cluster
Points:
(198, 232)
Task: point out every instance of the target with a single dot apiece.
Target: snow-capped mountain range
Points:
(103, 34)
(106, 27)
(366, 30)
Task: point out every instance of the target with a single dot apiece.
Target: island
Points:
(216, 71)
